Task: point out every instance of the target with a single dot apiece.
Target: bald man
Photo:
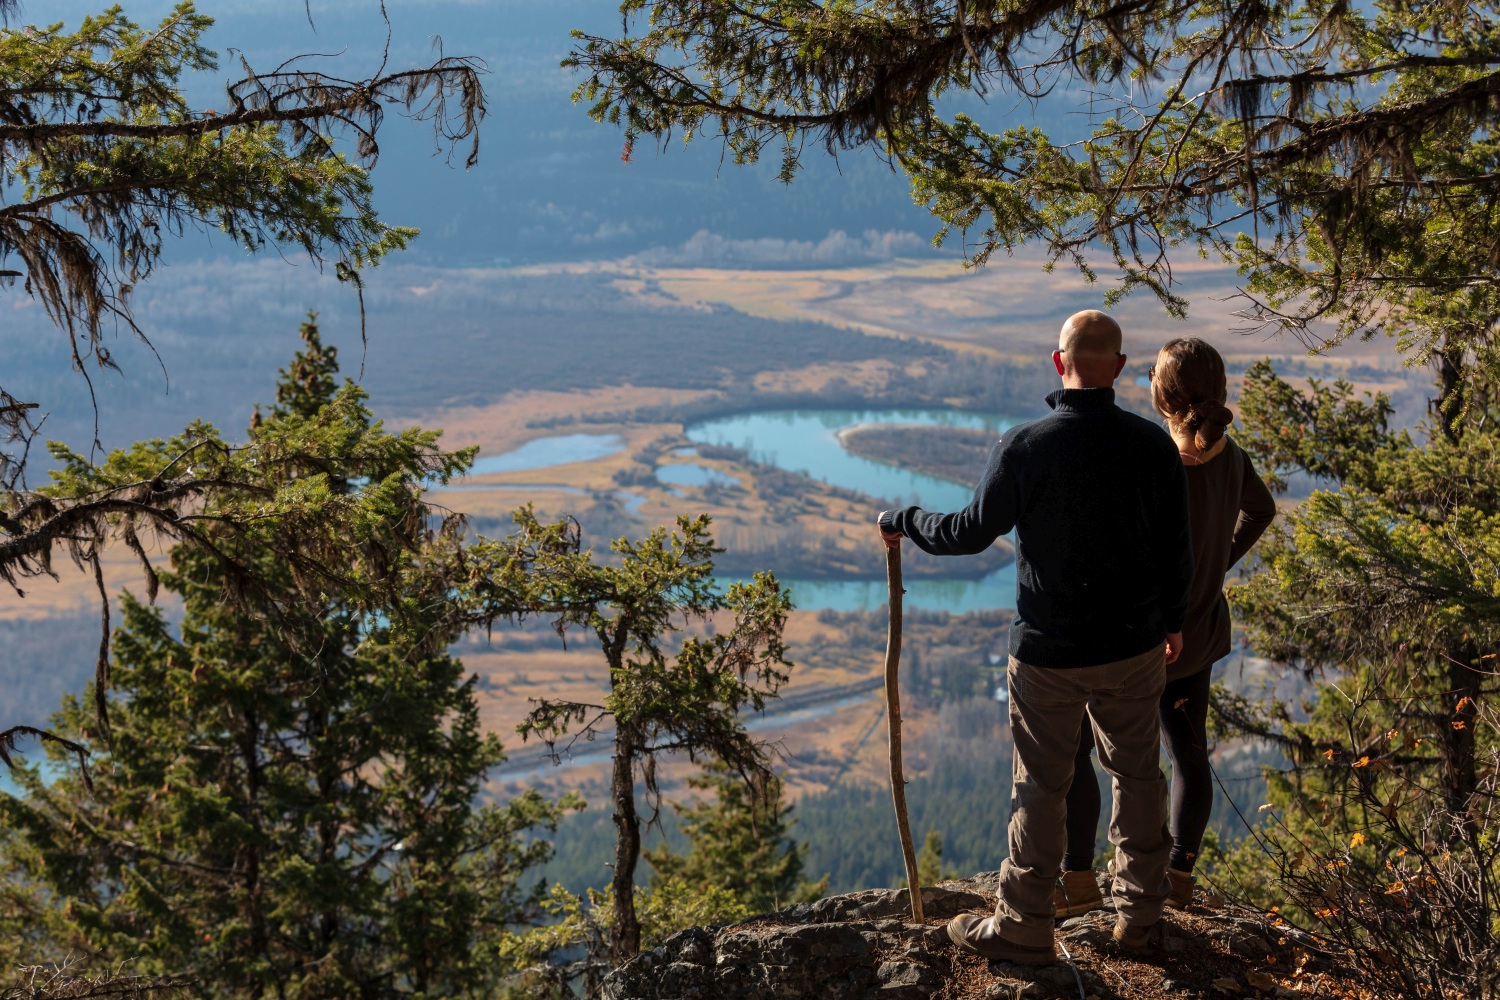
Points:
(1098, 500)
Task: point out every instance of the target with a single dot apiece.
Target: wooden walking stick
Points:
(893, 714)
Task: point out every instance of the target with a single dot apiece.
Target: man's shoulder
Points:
(1150, 432)
(1132, 424)
(1027, 428)
(1020, 437)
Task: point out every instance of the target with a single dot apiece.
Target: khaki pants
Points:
(1047, 710)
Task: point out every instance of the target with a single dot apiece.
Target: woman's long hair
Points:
(1189, 389)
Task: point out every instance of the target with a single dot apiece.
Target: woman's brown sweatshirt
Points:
(1229, 508)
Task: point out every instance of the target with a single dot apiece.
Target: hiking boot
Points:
(1076, 893)
(977, 935)
(1181, 896)
(1131, 937)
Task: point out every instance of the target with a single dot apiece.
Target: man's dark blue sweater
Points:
(1098, 499)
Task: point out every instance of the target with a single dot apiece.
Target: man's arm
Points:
(989, 515)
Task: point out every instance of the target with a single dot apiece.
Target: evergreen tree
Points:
(104, 161)
(1384, 588)
(930, 860)
(740, 841)
(661, 700)
(288, 803)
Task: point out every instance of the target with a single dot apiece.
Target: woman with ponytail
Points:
(1229, 508)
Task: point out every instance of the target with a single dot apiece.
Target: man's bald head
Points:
(1088, 350)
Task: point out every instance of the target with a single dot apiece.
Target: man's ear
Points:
(1120, 365)
(1057, 362)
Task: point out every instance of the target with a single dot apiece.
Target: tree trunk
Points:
(1460, 779)
(1449, 403)
(625, 933)
(250, 880)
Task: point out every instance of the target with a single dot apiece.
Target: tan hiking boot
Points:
(1181, 896)
(977, 935)
(1076, 893)
(1131, 937)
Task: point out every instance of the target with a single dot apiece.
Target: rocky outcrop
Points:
(840, 948)
(860, 947)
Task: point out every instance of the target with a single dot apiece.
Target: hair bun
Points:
(1210, 412)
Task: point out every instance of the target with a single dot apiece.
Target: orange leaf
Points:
(1459, 724)
(1260, 981)
(1362, 762)
(1329, 753)
(1464, 702)
(1356, 840)
(1394, 888)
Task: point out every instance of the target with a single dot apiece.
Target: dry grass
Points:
(508, 422)
(1011, 307)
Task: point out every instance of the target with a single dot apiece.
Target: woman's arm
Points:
(1257, 511)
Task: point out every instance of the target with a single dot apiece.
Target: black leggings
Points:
(1183, 712)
